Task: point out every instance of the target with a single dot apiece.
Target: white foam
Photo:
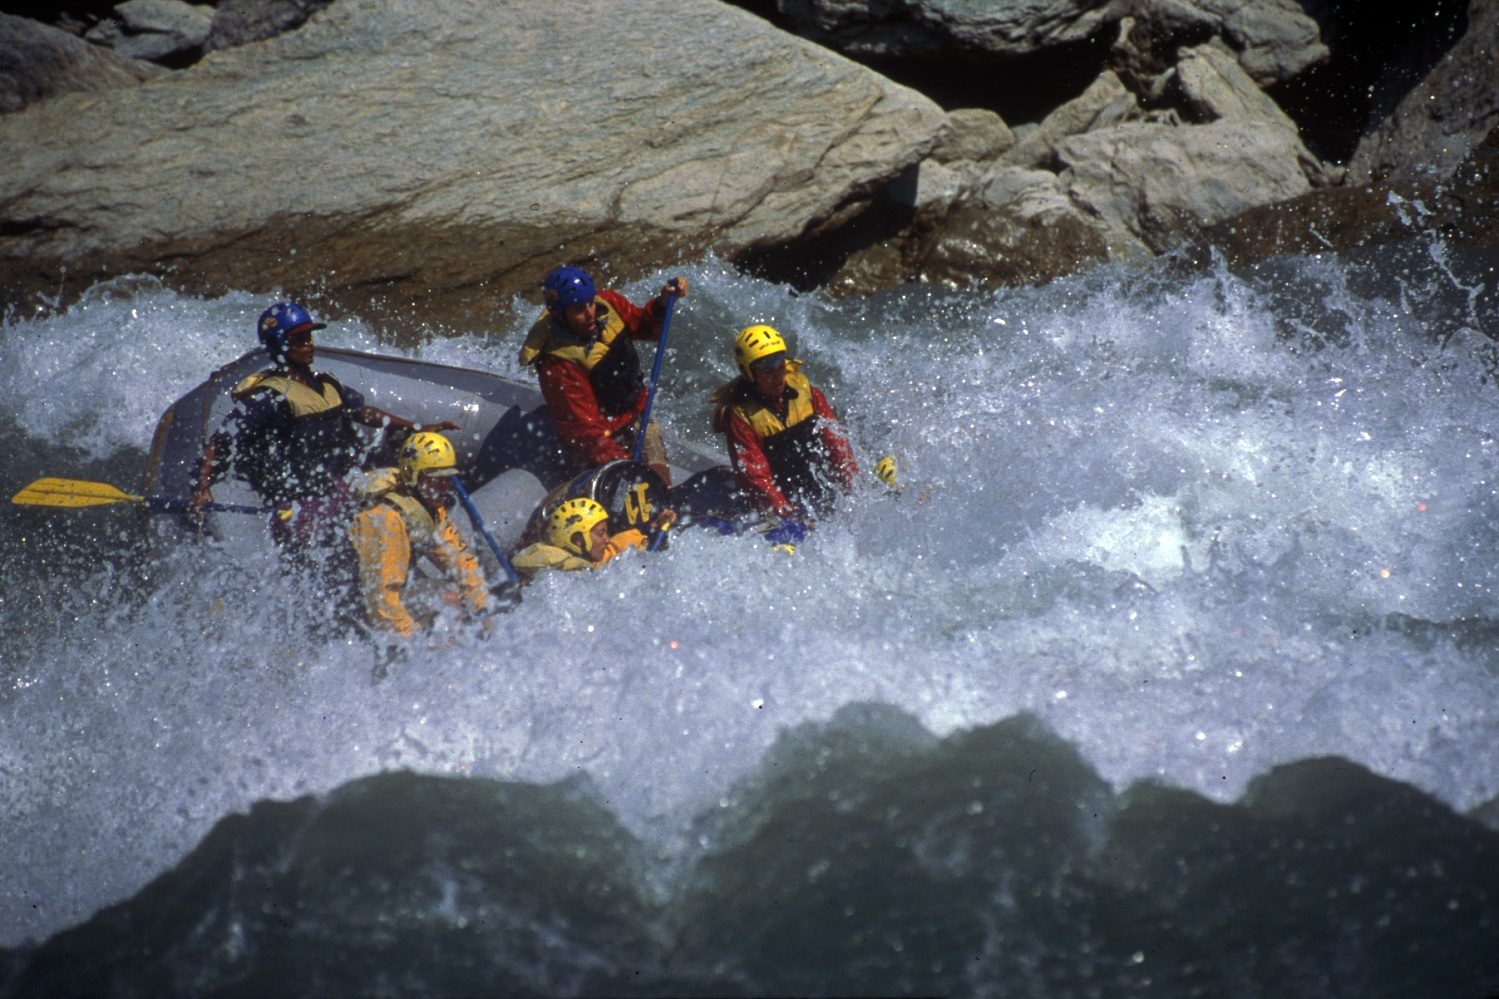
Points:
(1203, 535)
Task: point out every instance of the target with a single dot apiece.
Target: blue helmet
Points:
(279, 320)
(567, 286)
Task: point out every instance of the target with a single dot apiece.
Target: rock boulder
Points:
(165, 31)
(438, 157)
(1445, 117)
(1160, 182)
(1274, 39)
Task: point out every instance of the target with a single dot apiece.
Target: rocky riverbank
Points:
(431, 160)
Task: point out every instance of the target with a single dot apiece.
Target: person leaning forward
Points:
(292, 435)
(582, 346)
(784, 442)
(405, 519)
(577, 537)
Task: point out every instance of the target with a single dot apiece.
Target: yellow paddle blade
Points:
(71, 493)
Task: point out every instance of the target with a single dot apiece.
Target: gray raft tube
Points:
(507, 446)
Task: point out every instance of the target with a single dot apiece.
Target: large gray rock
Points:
(1161, 182)
(1106, 102)
(975, 134)
(1274, 39)
(1012, 226)
(1215, 88)
(159, 30)
(237, 22)
(1445, 117)
(1461, 211)
(440, 156)
(933, 27)
(38, 61)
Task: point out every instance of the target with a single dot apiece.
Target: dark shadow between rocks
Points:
(1375, 62)
(812, 261)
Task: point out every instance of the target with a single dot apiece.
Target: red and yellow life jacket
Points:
(608, 356)
(794, 449)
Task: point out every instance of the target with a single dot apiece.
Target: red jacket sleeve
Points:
(580, 423)
(753, 468)
(840, 453)
(642, 323)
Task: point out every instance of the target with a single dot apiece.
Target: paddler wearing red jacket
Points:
(583, 349)
(784, 442)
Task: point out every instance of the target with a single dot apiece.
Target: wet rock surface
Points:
(432, 160)
(441, 156)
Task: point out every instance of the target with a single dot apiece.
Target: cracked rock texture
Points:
(442, 155)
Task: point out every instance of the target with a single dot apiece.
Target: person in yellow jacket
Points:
(406, 518)
(577, 537)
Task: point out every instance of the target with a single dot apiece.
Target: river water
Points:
(1162, 532)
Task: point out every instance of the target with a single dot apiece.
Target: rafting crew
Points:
(577, 537)
(292, 436)
(582, 346)
(785, 445)
(405, 518)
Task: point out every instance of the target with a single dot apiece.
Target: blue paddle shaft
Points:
(494, 546)
(650, 396)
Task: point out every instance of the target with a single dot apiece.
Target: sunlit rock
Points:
(976, 134)
(1215, 87)
(236, 22)
(1106, 102)
(1160, 182)
(1275, 39)
(448, 153)
(1462, 211)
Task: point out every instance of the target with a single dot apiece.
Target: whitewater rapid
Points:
(1199, 524)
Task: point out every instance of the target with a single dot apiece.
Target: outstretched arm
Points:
(644, 322)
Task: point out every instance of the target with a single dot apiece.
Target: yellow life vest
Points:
(421, 528)
(303, 400)
(534, 558)
(608, 356)
(740, 397)
(795, 451)
(379, 486)
(548, 337)
(309, 445)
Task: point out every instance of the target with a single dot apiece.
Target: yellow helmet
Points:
(885, 469)
(570, 524)
(754, 343)
(426, 453)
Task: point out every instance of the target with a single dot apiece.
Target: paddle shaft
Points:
(650, 395)
(170, 504)
(494, 546)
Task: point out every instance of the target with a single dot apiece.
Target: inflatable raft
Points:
(509, 457)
